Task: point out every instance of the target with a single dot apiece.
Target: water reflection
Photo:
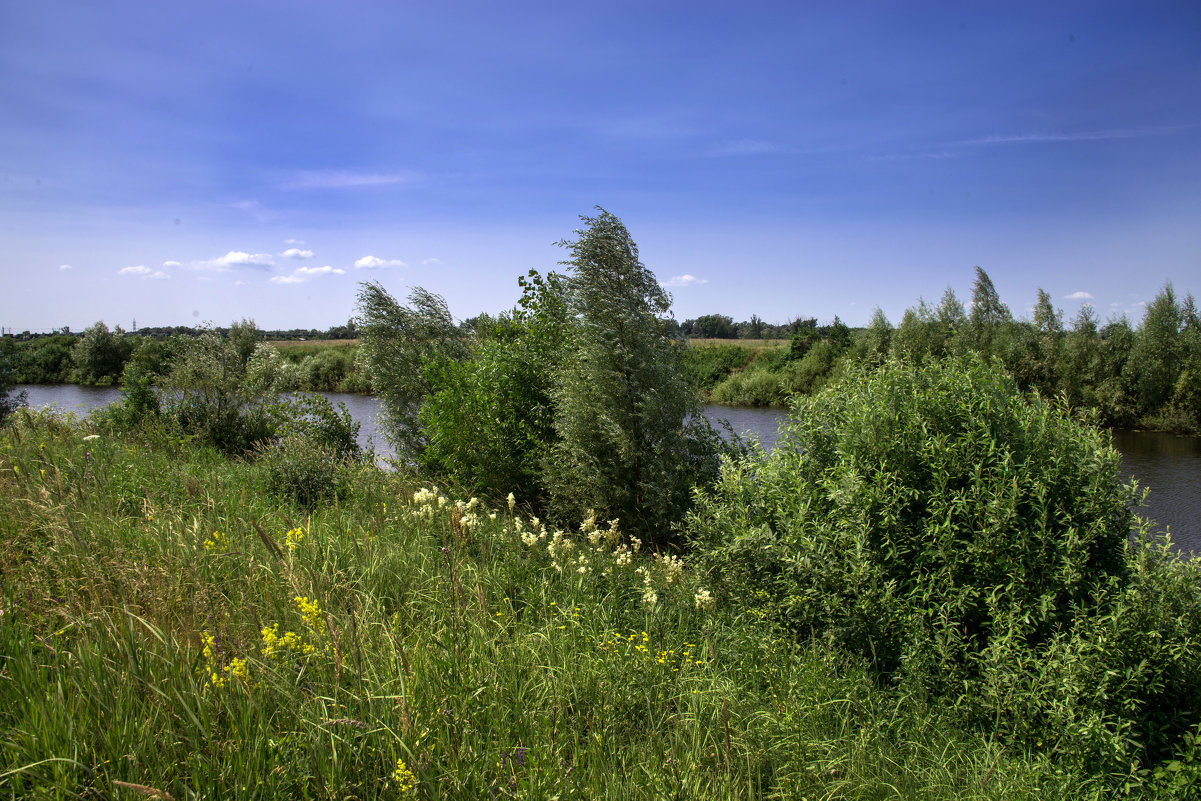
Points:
(1170, 465)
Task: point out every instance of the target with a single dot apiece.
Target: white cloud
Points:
(341, 179)
(172, 264)
(683, 280)
(65, 267)
(431, 261)
(1142, 304)
(297, 253)
(1079, 295)
(376, 263)
(302, 274)
(235, 258)
(142, 271)
(293, 241)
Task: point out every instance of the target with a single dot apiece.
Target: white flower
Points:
(704, 599)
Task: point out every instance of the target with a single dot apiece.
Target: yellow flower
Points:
(406, 782)
(216, 543)
(294, 537)
(312, 614)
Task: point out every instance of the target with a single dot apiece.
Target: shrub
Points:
(971, 543)
(221, 394)
(314, 417)
(304, 469)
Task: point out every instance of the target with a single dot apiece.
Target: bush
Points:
(708, 365)
(971, 543)
(222, 393)
(314, 417)
(749, 388)
(305, 470)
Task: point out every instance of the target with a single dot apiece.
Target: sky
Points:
(185, 162)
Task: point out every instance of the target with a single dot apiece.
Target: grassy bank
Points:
(169, 624)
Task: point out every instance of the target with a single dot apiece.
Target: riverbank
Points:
(1168, 464)
(172, 626)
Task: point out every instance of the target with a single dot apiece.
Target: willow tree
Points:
(631, 437)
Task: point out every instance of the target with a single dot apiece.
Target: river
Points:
(1168, 464)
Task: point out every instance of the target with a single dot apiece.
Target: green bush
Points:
(749, 388)
(306, 470)
(315, 418)
(708, 365)
(971, 543)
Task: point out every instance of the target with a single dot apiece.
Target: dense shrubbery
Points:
(974, 544)
(577, 400)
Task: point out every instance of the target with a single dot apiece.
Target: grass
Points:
(437, 650)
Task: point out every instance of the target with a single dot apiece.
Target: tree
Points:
(988, 313)
(632, 440)
(225, 401)
(401, 346)
(1155, 362)
(100, 355)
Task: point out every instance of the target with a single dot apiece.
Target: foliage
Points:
(631, 440)
(221, 394)
(314, 418)
(306, 469)
(8, 402)
(576, 400)
(707, 366)
(400, 344)
(170, 627)
(971, 543)
(99, 356)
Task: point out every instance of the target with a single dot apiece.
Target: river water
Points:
(1167, 464)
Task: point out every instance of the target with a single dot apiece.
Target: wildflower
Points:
(216, 543)
(406, 782)
(512, 503)
(704, 599)
(238, 669)
(312, 614)
(294, 537)
(91, 437)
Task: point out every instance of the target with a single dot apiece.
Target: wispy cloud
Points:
(65, 267)
(297, 253)
(1035, 137)
(376, 263)
(1079, 295)
(171, 264)
(256, 210)
(431, 261)
(744, 147)
(142, 271)
(683, 280)
(341, 179)
(933, 155)
(293, 241)
(302, 274)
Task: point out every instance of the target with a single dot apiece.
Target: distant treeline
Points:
(98, 356)
(1145, 376)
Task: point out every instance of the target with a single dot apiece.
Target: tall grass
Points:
(167, 623)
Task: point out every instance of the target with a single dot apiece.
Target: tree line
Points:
(1146, 375)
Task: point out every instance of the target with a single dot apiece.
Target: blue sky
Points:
(183, 162)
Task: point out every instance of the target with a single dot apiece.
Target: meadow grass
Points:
(170, 629)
